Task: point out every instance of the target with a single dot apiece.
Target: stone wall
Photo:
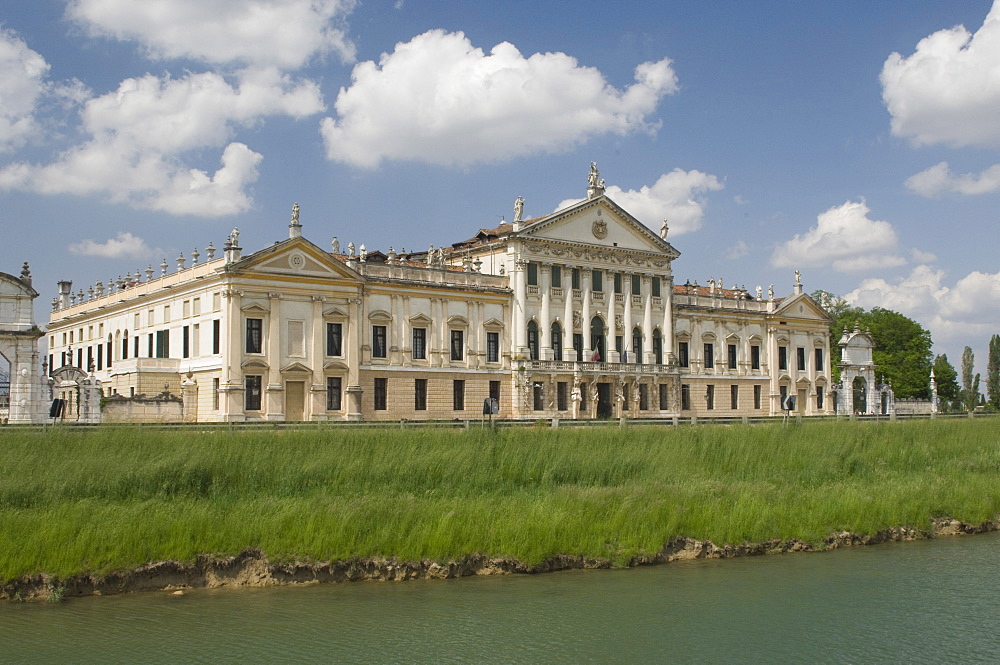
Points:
(164, 408)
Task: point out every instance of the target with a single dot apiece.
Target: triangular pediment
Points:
(296, 367)
(801, 306)
(295, 256)
(599, 221)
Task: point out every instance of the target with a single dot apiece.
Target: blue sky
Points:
(854, 141)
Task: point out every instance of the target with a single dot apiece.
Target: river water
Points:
(924, 602)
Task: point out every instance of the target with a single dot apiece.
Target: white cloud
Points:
(949, 89)
(962, 313)
(22, 84)
(843, 238)
(939, 179)
(141, 133)
(738, 251)
(124, 245)
(676, 197)
(279, 33)
(438, 99)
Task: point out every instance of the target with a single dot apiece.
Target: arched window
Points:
(125, 346)
(556, 340)
(637, 344)
(532, 340)
(658, 346)
(597, 339)
(110, 349)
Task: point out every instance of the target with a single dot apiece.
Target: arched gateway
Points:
(28, 401)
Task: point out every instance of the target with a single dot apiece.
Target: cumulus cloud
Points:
(124, 245)
(738, 251)
(438, 99)
(279, 33)
(939, 179)
(965, 311)
(676, 196)
(22, 84)
(844, 238)
(141, 133)
(948, 90)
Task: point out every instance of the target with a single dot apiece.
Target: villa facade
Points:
(572, 315)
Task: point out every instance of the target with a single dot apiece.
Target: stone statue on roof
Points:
(663, 230)
(594, 180)
(518, 208)
(295, 213)
(234, 237)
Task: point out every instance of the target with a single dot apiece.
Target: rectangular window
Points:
(643, 397)
(457, 344)
(819, 397)
(755, 356)
(420, 394)
(596, 280)
(196, 306)
(492, 347)
(578, 346)
(783, 394)
(734, 397)
(379, 348)
(296, 338)
(216, 335)
(783, 357)
(819, 360)
(682, 354)
(419, 344)
(333, 385)
(216, 301)
(636, 284)
(709, 356)
(334, 339)
(618, 282)
(685, 397)
(186, 342)
(458, 394)
(110, 348)
(196, 340)
(664, 397)
(731, 355)
(532, 273)
(186, 309)
(149, 350)
(166, 313)
(215, 394)
(556, 277)
(655, 286)
(800, 359)
(756, 396)
(574, 278)
(710, 397)
(380, 392)
(255, 336)
(135, 346)
(100, 358)
(562, 396)
(495, 391)
(125, 347)
(162, 343)
(252, 397)
(538, 396)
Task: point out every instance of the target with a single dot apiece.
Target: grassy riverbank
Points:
(99, 500)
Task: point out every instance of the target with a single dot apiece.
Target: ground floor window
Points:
(252, 397)
(562, 395)
(710, 397)
(734, 397)
(333, 386)
(381, 388)
(685, 397)
(664, 397)
(458, 394)
(819, 393)
(643, 397)
(539, 402)
(756, 396)
(495, 391)
(420, 394)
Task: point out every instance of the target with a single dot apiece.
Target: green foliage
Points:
(993, 372)
(970, 384)
(902, 352)
(947, 382)
(104, 499)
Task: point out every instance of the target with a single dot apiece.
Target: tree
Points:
(902, 352)
(947, 382)
(993, 373)
(970, 385)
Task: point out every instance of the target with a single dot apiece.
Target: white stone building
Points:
(570, 315)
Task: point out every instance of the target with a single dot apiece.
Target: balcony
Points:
(623, 369)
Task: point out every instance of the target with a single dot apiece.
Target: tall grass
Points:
(97, 500)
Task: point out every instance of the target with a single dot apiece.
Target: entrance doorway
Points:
(605, 408)
(295, 400)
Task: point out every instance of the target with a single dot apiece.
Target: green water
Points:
(926, 602)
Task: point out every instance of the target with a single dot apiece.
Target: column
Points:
(407, 334)
(586, 276)
(772, 363)
(667, 292)
(569, 353)
(520, 304)
(352, 353)
(609, 342)
(274, 406)
(648, 355)
(545, 326)
(627, 320)
(316, 409)
(231, 386)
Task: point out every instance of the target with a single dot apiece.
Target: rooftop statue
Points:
(518, 208)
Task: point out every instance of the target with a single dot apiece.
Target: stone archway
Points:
(19, 346)
(860, 389)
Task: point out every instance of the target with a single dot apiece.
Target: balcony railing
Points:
(596, 367)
